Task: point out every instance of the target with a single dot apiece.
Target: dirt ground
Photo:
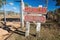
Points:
(13, 31)
(11, 25)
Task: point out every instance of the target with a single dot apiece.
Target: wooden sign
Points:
(34, 14)
(29, 18)
(38, 10)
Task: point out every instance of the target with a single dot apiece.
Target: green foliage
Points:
(26, 4)
(58, 3)
(2, 2)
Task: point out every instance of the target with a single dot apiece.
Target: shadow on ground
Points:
(19, 32)
(11, 19)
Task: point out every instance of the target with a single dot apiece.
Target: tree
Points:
(26, 4)
(2, 2)
(58, 3)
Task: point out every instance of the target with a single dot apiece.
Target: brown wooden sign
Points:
(41, 19)
(35, 14)
(39, 10)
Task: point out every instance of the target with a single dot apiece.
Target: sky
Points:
(15, 6)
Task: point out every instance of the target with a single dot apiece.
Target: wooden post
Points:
(27, 29)
(38, 28)
(22, 13)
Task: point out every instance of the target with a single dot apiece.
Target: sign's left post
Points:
(22, 14)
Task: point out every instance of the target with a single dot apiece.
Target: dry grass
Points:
(46, 33)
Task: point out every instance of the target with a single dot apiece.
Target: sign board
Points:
(30, 18)
(38, 10)
(34, 14)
